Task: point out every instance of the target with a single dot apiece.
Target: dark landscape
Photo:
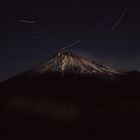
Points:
(69, 69)
(70, 97)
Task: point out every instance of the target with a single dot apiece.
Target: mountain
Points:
(69, 63)
(70, 97)
(64, 68)
(67, 71)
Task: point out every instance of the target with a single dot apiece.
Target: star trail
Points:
(119, 20)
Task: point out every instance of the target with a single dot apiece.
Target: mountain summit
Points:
(70, 63)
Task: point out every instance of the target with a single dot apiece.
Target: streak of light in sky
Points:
(119, 20)
(71, 45)
(27, 21)
(100, 25)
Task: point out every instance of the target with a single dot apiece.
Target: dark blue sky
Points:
(31, 32)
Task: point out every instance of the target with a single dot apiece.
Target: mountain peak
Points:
(65, 53)
(65, 62)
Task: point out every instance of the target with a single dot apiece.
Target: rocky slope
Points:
(69, 63)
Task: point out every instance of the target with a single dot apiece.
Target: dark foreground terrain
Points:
(71, 107)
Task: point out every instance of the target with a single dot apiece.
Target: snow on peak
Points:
(68, 62)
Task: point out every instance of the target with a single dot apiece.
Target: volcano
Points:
(64, 64)
(64, 68)
(69, 63)
(71, 73)
(69, 96)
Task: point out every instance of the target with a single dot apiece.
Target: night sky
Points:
(106, 31)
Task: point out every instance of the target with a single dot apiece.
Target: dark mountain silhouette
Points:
(69, 72)
(70, 97)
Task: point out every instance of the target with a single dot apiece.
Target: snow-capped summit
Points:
(70, 63)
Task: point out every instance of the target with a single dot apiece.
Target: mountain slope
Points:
(69, 63)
